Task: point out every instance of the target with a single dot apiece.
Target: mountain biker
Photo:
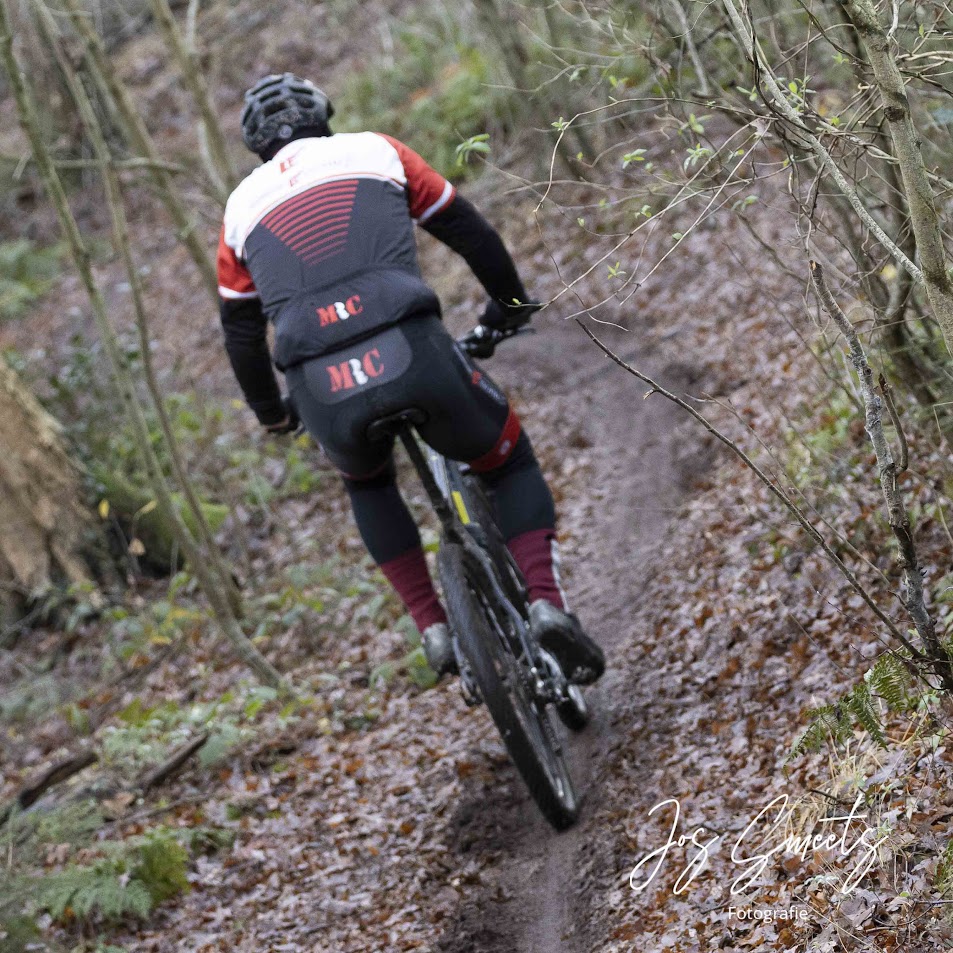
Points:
(319, 239)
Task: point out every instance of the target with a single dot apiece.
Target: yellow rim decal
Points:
(461, 508)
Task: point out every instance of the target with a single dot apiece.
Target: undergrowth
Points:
(26, 273)
(64, 867)
(434, 90)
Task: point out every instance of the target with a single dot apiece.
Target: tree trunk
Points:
(43, 525)
(906, 140)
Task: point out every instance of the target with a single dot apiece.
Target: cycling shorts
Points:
(414, 364)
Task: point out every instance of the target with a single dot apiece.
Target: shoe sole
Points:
(579, 670)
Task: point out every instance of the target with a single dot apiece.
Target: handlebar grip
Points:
(483, 341)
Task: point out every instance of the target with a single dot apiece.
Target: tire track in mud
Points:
(531, 895)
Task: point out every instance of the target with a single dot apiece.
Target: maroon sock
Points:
(409, 575)
(533, 552)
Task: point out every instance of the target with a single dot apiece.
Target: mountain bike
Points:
(499, 661)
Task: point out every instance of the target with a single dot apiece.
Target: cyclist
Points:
(319, 239)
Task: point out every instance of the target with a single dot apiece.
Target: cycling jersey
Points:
(320, 239)
(323, 233)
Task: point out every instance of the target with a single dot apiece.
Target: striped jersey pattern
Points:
(315, 224)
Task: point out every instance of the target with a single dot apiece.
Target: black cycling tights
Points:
(523, 503)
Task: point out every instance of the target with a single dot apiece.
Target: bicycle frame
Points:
(435, 478)
(442, 484)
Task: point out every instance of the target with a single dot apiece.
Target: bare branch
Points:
(913, 600)
(218, 163)
(887, 392)
(210, 559)
(121, 376)
(104, 71)
(704, 85)
(122, 164)
(173, 764)
(780, 103)
(55, 774)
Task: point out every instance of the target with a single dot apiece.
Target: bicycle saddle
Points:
(392, 424)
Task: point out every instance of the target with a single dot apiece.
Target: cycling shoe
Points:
(561, 634)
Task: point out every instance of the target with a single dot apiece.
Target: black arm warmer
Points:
(246, 341)
(461, 227)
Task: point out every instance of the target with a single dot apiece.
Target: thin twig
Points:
(114, 90)
(780, 104)
(887, 392)
(137, 163)
(218, 162)
(141, 816)
(121, 376)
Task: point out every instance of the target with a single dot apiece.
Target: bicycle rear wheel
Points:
(526, 725)
(572, 710)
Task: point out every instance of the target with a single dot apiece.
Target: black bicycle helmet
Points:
(280, 105)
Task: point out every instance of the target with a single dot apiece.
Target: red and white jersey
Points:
(323, 233)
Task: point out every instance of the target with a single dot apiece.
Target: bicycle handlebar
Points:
(482, 341)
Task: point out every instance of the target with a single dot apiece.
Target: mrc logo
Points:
(339, 310)
(355, 372)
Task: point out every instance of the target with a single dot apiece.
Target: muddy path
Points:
(532, 896)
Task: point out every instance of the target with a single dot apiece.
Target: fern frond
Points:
(822, 724)
(890, 679)
(95, 889)
(863, 707)
(129, 877)
(129, 880)
(162, 865)
(55, 891)
(112, 896)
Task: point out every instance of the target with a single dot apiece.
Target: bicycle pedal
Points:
(552, 668)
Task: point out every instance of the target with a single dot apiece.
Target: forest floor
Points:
(385, 816)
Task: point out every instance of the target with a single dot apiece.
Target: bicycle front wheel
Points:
(526, 725)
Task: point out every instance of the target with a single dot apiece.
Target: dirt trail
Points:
(531, 899)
